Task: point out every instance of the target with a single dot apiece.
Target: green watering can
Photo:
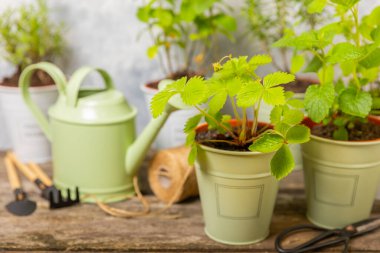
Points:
(92, 132)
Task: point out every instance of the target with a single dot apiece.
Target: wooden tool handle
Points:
(40, 174)
(12, 174)
(22, 167)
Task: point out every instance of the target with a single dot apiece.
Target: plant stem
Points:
(169, 60)
(243, 133)
(223, 141)
(216, 122)
(234, 108)
(256, 118)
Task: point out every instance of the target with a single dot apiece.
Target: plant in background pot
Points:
(341, 163)
(267, 21)
(238, 160)
(183, 33)
(26, 37)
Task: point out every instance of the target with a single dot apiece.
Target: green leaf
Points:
(192, 123)
(277, 78)
(343, 52)
(260, 60)
(346, 3)
(159, 102)
(318, 101)
(194, 92)
(354, 102)
(282, 162)
(267, 142)
(225, 22)
(276, 114)
(282, 127)
(274, 96)
(314, 65)
(316, 6)
(297, 63)
(249, 94)
(152, 51)
(372, 60)
(217, 102)
(341, 134)
(193, 154)
(190, 138)
(298, 134)
(347, 68)
(296, 103)
(143, 13)
(293, 116)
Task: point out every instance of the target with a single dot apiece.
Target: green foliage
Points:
(268, 21)
(236, 81)
(356, 54)
(184, 29)
(27, 36)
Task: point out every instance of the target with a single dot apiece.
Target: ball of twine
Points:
(170, 176)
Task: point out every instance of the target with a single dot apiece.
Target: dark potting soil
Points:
(206, 137)
(360, 131)
(300, 85)
(177, 75)
(39, 79)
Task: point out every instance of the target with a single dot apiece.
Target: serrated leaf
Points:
(282, 128)
(341, 134)
(343, 52)
(318, 101)
(233, 86)
(277, 78)
(274, 96)
(298, 134)
(159, 102)
(354, 102)
(276, 114)
(192, 123)
(316, 6)
(297, 63)
(260, 60)
(194, 91)
(267, 142)
(193, 154)
(296, 103)
(217, 102)
(282, 163)
(372, 60)
(293, 116)
(249, 94)
(190, 138)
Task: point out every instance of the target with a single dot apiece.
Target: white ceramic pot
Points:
(4, 137)
(171, 135)
(27, 139)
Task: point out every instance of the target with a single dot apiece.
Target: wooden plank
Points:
(87, 228)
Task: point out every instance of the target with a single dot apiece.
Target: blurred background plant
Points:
(184, 31)
(27, 36)
(268, 21)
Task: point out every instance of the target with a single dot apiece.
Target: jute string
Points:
(175, 162)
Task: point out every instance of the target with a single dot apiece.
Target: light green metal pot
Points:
(237, 194)
(341, 179)
(93, 134)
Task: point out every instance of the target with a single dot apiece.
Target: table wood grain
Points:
(87, 228)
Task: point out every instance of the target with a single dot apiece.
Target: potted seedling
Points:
(267, 21)
(341, 163)
(238, 160)
(26, 37)
(183, 33)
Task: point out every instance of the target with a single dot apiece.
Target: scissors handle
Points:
(312, 244)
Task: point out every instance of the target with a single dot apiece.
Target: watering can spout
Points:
(137, 151)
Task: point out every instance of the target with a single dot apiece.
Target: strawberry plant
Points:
(235, 81)
(350, 43)
(183, 31)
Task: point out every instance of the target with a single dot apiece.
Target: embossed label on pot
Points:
(230, 199)
(335, 189)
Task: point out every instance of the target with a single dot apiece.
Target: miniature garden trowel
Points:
(21, 206)
(48, 191)
(92, 132)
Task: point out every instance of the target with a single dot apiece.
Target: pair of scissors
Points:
(327, 238)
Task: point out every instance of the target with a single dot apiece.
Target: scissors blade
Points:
(367, 225)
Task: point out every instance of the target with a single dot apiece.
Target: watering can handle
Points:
(76, 80)
(60, 81)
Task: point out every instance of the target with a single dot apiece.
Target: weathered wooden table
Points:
(87, 228)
